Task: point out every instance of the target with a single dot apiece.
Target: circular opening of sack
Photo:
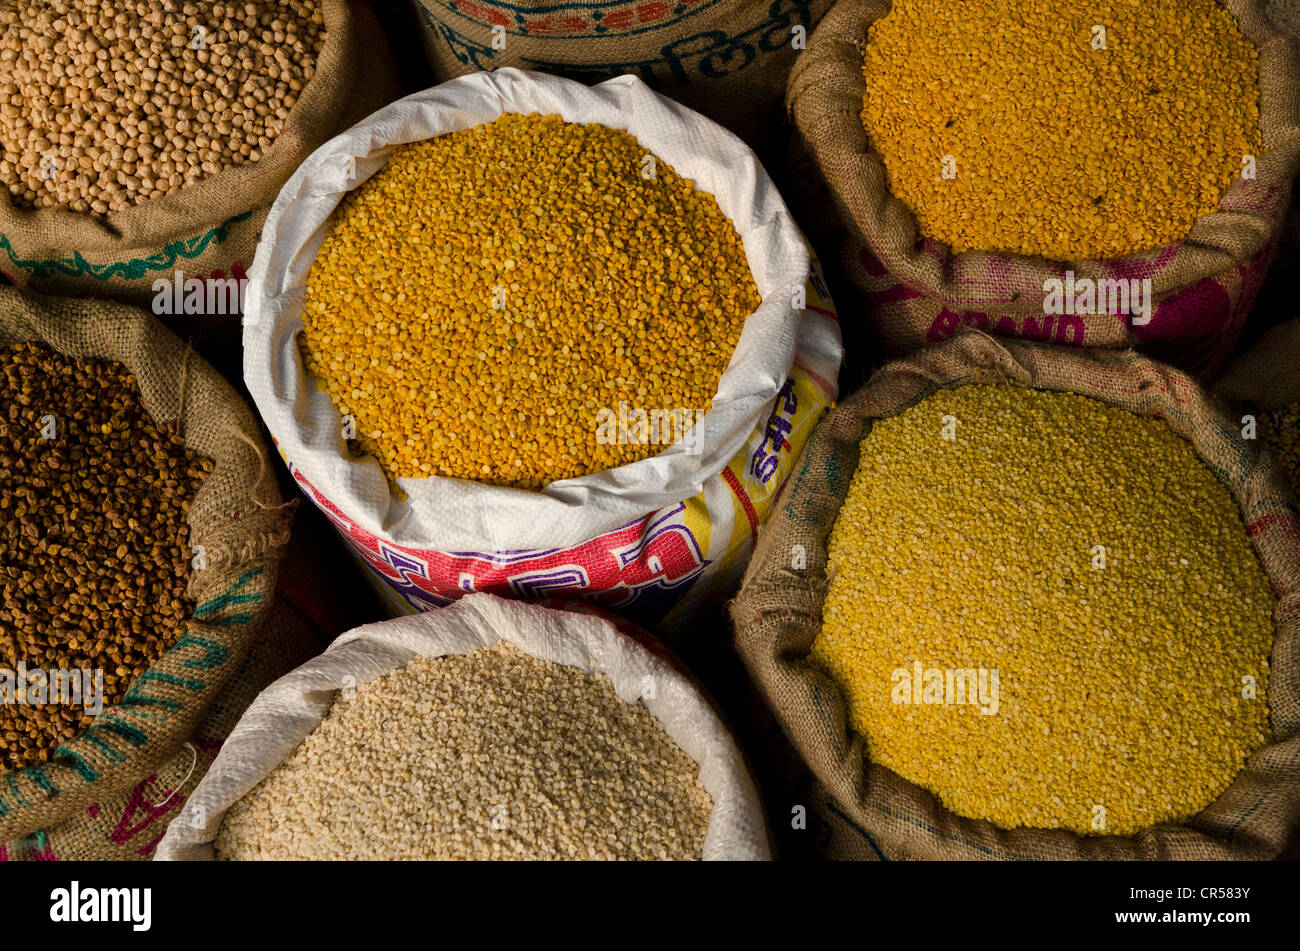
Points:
(520, 731)
(1012, 572)
(671, 144)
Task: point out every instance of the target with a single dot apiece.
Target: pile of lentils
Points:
(479, 301)
(1003, 129)
(1121, 679)
(94, 561)
(1279, 430)
(108, 103)
(490, 755)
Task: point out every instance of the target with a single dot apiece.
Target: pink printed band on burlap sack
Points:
(916, 291)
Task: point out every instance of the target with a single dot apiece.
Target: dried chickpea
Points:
(107, 103)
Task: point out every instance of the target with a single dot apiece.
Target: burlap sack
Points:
(728, 59)
(917, 291)
(209, 229)
(807, 825)
(1267, 375)
(129, 827)
(237, 517)
(1285, 15)
(779, 610)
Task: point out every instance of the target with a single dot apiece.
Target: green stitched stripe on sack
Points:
(214, 654)
(131, 270)
(225, 600)
(107, 724)
(149, 676)
(77, 763)
(15, 792)
(108, 749)
(41, 779)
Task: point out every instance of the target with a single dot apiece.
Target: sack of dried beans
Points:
(1092, 176)
(1022, 602)
(518, 335)
(143, 143)
(141, 532)
(491, 729)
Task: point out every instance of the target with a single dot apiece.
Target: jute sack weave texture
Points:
(1267, 374)
(728, 59)
(915, 291)
(129, 827)
(1285, 15)
(236, 516)
(208, 229)
(779, 612)
(1291, 230)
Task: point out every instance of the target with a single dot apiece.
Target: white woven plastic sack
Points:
(286, 712)
(639, 538)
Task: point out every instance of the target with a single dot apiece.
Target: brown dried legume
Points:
(106, 103)
(94, 561)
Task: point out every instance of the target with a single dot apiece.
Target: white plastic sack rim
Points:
(447, 514)
(286, 712)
